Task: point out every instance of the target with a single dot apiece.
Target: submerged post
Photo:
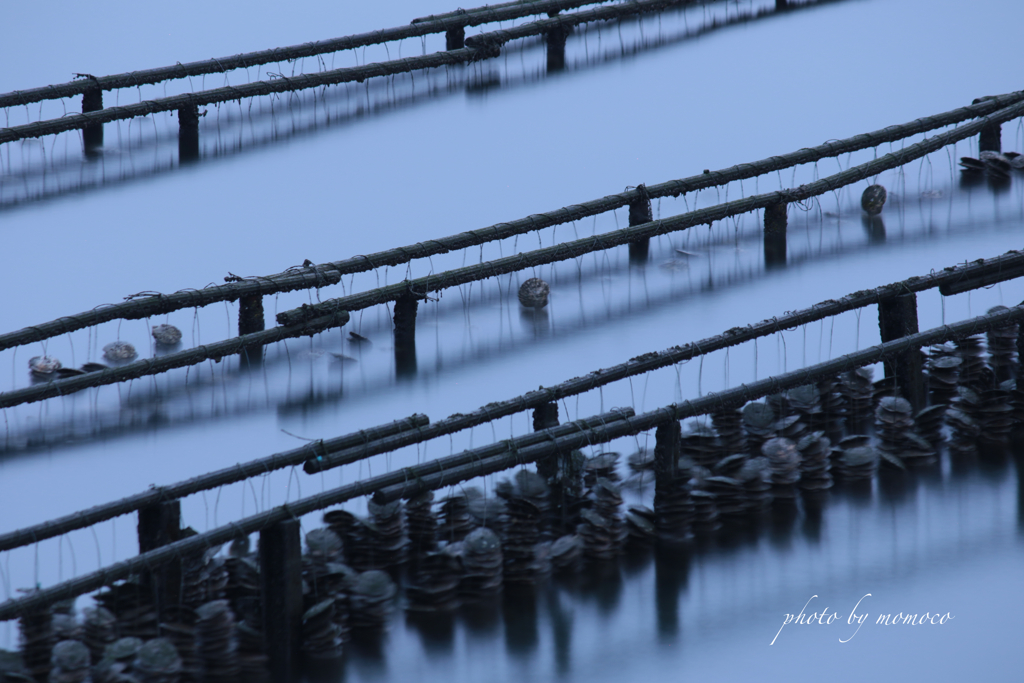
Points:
(405, 334)
(775, 222)
(160, 524)
(640, 212)
(1020, 360)
(92, 136)
(250, 320)
(668, 495)
(281, 577)
(897, 317)
(990, 137)
(667, 442)
(455, 38)
(546, 417)
(556, 48)
(188, 133)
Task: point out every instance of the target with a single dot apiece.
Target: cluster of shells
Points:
(709, 476)
(998, 165)
(47, 367)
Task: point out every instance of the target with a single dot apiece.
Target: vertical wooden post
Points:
(455, 38)
(667, 441)
(897, 317)
(775, 223)
(990, 137)
(640, 212)
(160, 524)
(92, 136)
(250, 314)
(556, 49)
(1020, 363)
(188, 133)
(667, 445)
(405, 334)
(250, 320)
(545, 417)
(281, 577)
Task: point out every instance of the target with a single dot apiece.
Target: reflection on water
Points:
(947, 538)
(874, 228)
(714, 607)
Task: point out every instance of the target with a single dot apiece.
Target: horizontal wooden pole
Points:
(439, 24)
(144, 306)
(206, 482)
(155, 366)
(140, 307)
(570, 250)
(736, 396)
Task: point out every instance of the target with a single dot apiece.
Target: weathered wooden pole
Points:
(188, 133)
(160, 524)
(544, 417)
(556, 48)
(897, 317)
(667, 444)
(874, 228)
(990, 137)
(775, 222)
(92, 136)
(251, 319)
(640, 212)
(405, 334)
(1020, 362)
(667, 441)
(281, 577)
(455, 38)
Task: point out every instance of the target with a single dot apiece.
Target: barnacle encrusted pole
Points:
(982, 272)
(640, 213)
(670, 414)
(990, 138)
(419, 27)
(155, 366)
(481, 46)
(228, 532)
(206, 482)
(405, 333)
(411, 481)
(775, 224)
(330, 273)
(238, 92)
(141, 306)
(897, 317)
(569, 250)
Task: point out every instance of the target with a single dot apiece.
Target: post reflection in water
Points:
(874, 228)
(671, 571)
(561, 613)
(519, 610)
(558, 628)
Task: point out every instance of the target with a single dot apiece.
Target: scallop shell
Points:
(873, 200)
(534, 293)
(119, 351)
(43, 365)
(166, 335)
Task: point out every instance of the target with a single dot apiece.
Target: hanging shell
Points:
(873, 200)
(166, 335)
(534, 293)
(119, 351)
(43, 365)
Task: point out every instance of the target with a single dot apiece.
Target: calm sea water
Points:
(360, 168)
